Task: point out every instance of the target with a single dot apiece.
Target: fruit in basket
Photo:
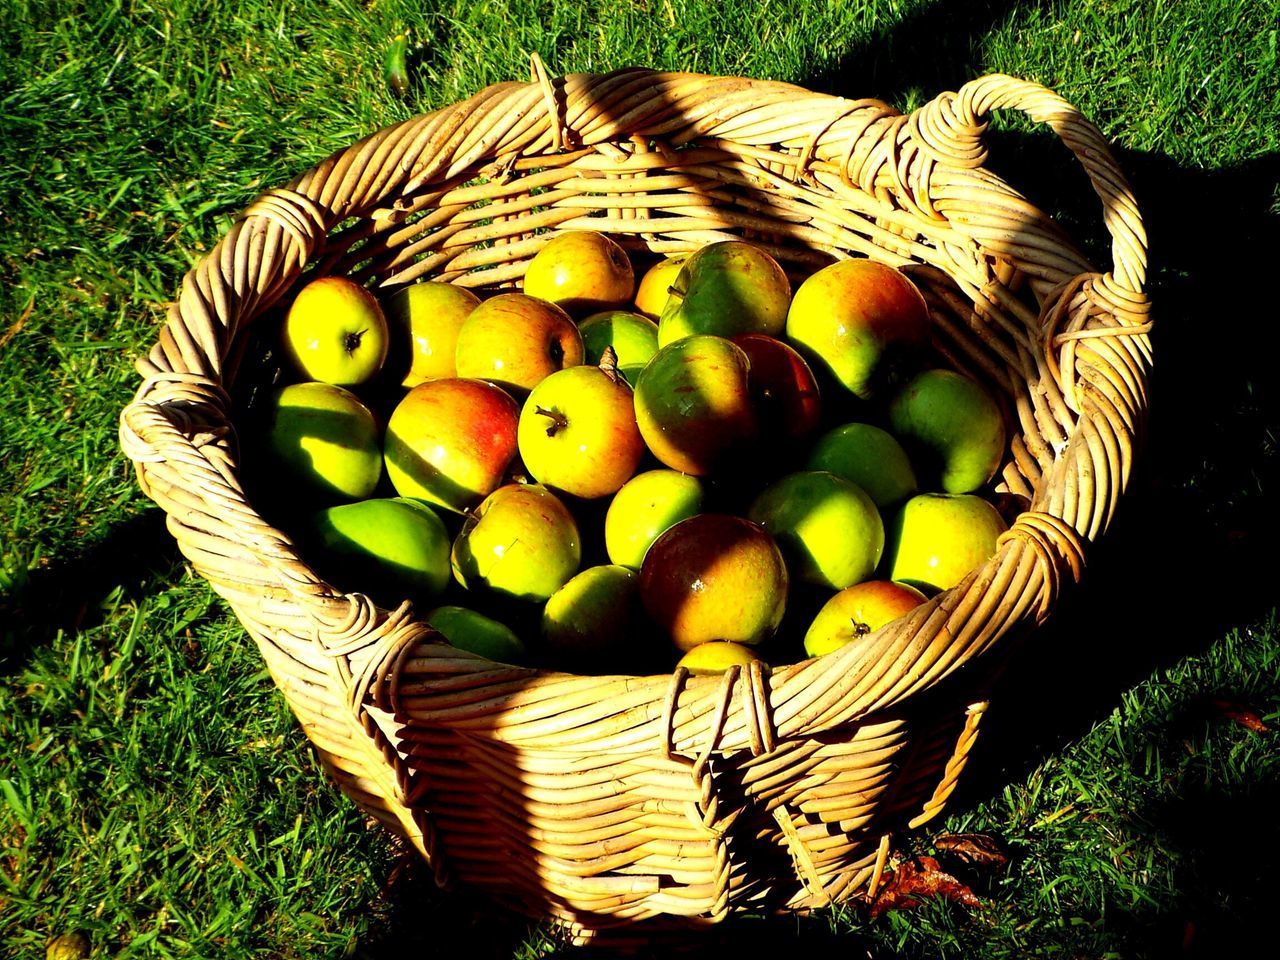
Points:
(647, 506)
(589, 622)
(583, 272)
(725, 289)
(715, 577)
(860, 320)
(784, 392)
(516, 341)
(424, 320)
(521, 542)
(935, 539)
(868, 456)
(474, 632)
(857, 611)
(953, 428)
(655, 285)
(335, 332)
(324, 440)
(578, 433)
(829, 529)
(634, 339)
(715, 657)
(391, 549)
(693, 403)
(449, 442)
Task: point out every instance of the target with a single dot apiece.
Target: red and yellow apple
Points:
(856, 611)
(449, 442)
(715, 657)
(516, 341)
(424, 320)
(715, 577)
(655, 285)
(582, 271)
(783, 389)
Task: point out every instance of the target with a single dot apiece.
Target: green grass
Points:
(154, 790)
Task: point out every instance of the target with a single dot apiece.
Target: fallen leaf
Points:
(977, 849)
(919, 879)
(1239, 713)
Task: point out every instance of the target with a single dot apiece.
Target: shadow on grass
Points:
(69, 594)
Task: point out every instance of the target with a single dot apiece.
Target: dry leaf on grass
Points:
(976, 849)
(917, 879)
(1240, 714)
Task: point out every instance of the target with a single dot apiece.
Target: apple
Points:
(693, 403)
(828, 528)
(449, 442)
(860, 320)
(715, 657)
(856, 611)
(655, 285)
(476, 633)
(868, 456)
(578, 433)
(583, 272)
(715, 577)
(953, 426)
(424, 320)
(521, 542)
(647, 506)
(935, 539)
(335, 332)
(783, 389)
(389, 549)
(516, 341)
(589, 621)
(725, 289)
(634, 339)
(324, 440)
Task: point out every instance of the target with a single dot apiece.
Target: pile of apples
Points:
(703, 470)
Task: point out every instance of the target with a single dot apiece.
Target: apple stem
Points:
(859, 629)
(558, 420)
(609, 364)
(352, 343)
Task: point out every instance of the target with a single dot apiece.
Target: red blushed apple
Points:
(449, 442)
(783, 389)
(693, 404)
(861, 320)
(578, 433)
(516, 342)
(715, 577)
(858, 610)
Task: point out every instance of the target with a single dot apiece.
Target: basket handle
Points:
(952, 127)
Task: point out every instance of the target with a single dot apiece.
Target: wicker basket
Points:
(602, 801)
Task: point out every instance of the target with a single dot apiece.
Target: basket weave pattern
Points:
(600, 801)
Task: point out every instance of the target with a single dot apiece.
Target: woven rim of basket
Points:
(1083, 361)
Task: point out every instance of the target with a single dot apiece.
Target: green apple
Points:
(516, 341)
(335, 332)
(828, 528)
(856, 611)
(578, 433)
(390, 549)
(693, 403)
(476, 633)
(521, 542)
(648, 505)
(715, 577)
(715, 657)
(868, 456)
(936, 539)
(725, 289)
(590, 621)
(449, 442)
(655, 285)
(583, 272)
(953, 427)
(861, 321)
(424, 319)
(325, 442)
(634, 339)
